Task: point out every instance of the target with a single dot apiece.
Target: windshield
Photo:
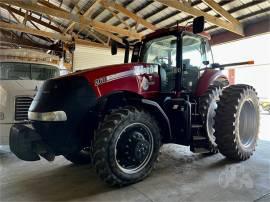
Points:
(160, 51)
(194, 53)
(27, 71)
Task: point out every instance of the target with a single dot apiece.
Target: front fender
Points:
(161, 117)
(208, 78)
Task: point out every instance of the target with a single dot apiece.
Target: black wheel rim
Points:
(134, 148)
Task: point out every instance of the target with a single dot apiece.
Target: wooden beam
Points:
(49, 5)
(110, 35)
(56, 36)
(216, 7)
(90, 43)
(20, 13)
(19, 22)
(22, 28)
(115, 15)
(211, 19)
(129, 14)
(76, 18)
(87, 13)
(4, 34)
(89, 31)
(14, 16)
(25, 17)
(91, 10)
(251, 29)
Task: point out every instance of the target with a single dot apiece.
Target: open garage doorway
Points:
(258, 75)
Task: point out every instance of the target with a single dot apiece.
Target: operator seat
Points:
(190, 75)
(163, 75)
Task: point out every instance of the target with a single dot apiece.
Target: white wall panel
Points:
(88, 57)
(257, 76)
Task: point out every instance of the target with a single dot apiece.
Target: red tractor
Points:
(118, 116)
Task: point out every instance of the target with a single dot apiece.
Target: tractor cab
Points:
(181, 55)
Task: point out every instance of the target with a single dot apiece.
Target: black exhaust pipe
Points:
(126, 50)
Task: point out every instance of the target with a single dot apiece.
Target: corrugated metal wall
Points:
(88, 57)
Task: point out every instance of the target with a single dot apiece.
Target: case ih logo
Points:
(138, 70)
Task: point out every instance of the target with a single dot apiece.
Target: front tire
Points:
(237, 122)
(126, 146)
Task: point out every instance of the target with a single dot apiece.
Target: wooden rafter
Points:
(236, 28)
(114, 14)
(76, 18)
(39, 21)
(14, 16)
(18, 41)
(49, 5)
(22, 28)
(25, 17)
(9, 9)
(86, 14)
(76, 6)
(56, 36)
(216, 7)
(111, 36)
(129, 14)
(90, 32)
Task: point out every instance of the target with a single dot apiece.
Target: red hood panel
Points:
(140, 78)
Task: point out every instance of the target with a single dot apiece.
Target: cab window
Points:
(193, 51)
(162, 51)
(194, 55)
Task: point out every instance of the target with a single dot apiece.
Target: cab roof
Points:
(165, 31)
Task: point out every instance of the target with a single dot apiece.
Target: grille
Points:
(22, 105)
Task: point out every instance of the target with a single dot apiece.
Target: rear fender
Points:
(208, 78)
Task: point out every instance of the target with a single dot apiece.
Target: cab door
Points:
(194, 58)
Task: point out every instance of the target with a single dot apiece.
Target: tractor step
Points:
(198, 138)
(196, 126)
(199, 144)
(200, 150)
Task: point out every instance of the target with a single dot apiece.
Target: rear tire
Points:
(126, 146)
(207, 106)
(237, 122)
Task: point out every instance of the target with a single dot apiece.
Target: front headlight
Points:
(47, 116)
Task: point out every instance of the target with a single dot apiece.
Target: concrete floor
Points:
(178, 176)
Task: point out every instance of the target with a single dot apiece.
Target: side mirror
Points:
(113, 48)
(205, 63)
(198, 25)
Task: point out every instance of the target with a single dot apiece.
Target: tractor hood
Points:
(139, 78)
(108, 69)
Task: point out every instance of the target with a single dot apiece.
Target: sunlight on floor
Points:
(265, 126)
